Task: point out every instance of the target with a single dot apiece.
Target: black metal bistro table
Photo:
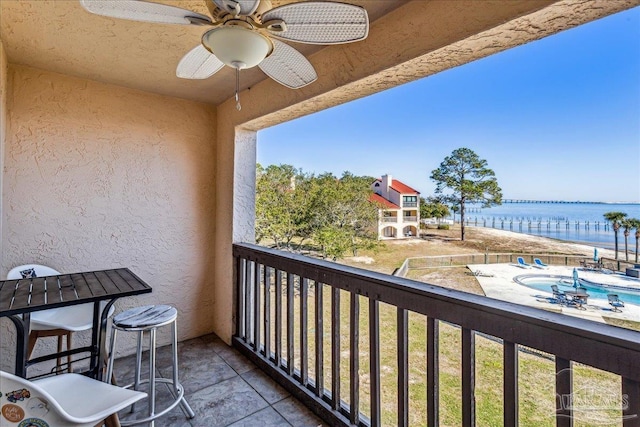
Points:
(19, 298)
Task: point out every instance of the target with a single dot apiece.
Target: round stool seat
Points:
(148, 316)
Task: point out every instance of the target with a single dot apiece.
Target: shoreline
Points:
(582, 222)
(554, 244)
(595, 243)
(581, 243)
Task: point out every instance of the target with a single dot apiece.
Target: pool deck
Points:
(497, 282)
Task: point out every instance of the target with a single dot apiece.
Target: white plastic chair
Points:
(56, 322)
(63, 400)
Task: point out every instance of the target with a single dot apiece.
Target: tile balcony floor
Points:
(222, 387)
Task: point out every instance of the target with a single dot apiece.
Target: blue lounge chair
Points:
(614, 301)
(539, 264)
(523, 264)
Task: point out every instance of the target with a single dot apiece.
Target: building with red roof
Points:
(399, 213)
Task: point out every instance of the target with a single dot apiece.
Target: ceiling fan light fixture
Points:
(236, 46)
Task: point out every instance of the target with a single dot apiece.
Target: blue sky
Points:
(555, 119)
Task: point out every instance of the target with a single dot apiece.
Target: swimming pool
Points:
(543, 282)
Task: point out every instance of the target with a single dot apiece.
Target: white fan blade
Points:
(320, 22)
(244, 7)
(288, 67)
(138, 10)
(199, 63)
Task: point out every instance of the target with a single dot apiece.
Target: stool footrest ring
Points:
(178, 398)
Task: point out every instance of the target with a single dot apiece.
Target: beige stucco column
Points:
(3, 126)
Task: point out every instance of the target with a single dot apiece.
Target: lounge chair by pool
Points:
(523, 264)
(614, 301)
(539, 264)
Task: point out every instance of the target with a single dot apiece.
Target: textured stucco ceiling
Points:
(60, 36)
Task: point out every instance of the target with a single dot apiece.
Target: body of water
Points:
(576, 222)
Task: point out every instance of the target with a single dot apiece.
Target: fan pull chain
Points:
(238, 106)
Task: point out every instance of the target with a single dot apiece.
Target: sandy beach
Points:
(511, 238)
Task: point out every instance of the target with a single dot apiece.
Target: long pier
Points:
(538, 224)
(549, 201)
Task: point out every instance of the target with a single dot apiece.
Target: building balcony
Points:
(85, 125)
(410, 204)
(409, 219)
(389, 219)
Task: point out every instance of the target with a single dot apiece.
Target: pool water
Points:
(565, 283)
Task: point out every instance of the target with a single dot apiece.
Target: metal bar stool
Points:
(147, 319)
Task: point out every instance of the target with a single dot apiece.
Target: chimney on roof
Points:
(386, 183)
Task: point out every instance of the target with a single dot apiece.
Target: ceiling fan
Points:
(246, 33)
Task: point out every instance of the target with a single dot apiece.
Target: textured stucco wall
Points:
(98, 176)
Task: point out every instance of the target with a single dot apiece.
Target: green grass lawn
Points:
(536, 374)
(622, 323)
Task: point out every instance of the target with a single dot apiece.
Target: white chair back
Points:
(61, 400)
(26, 401)
(40, 270)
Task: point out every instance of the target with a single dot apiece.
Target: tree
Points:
(627, 226)
(425, 209)
(635, 224)
(433, 208)
(615, 218)
(455, 209)
(344, 218)
(469, 180)
(335, 214)
(282, 208)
